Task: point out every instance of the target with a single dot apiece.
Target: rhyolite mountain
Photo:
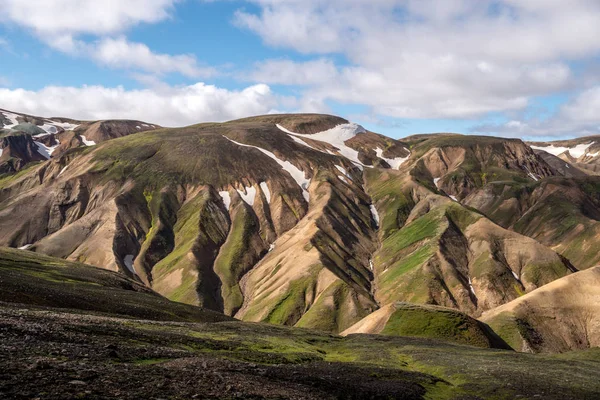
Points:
(26, 138)
(304, 220)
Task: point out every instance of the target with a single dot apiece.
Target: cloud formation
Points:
(167, 106)
(577, 117)
(427, 58)
(62, 23)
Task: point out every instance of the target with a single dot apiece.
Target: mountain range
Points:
(307, 221)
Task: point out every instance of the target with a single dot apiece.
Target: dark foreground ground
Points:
(56, 354)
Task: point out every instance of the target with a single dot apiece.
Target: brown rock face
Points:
(18, 150)
(561, 316)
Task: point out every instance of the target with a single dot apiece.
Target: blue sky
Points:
(526, 68)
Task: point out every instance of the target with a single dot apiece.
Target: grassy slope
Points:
(427, 321)
(31, 278)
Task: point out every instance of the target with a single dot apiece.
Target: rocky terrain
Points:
(307, 221)
(154, 349)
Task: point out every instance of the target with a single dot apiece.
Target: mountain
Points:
(306, 220)
(276, 218)
(583, 153)
(136, 250)
(27, 139)
(558, 317)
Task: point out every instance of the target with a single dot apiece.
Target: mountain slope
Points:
(38, 280)
(583, 153)
(562, 213)
(306, 220)
(26, 138)
(560, 316)
(405, 319)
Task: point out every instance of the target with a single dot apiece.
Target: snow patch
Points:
(531, 175)
(343, 179)
(375, 214)
(1, 151)
(128, 261)
(248, 195)
(336, 136)
(62, 170)
(453, 198)
(294, 137)
(471, 287)
(271, 247)
(435, 182)
(138, 127)
(342, 170)
(87, 142)
(296, 173)
(575, 152)
(45, 151)
(226, 199)
(265, 189)
(48, 128)
(371, 264)
(515, 275)
(67, 126)
(25, 247)
(12, 118)
(395, 163)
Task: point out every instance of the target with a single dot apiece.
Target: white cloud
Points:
(577, 117)
(61, 23)
(428, 58)
(120, 53)
(74, 17)
(167, 106)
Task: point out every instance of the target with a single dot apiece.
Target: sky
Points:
(513, 68)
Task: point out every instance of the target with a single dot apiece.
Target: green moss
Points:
(406, 265)
(231, 264)
(505, 325)
(8, 179)
(436, 323)
(288, 309)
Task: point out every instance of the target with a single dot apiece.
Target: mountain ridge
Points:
(300, 219)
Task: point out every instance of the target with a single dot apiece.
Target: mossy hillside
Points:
(438, 323)
(291, 302)
(336, 309)
(28, 128)
(298, 123)
(196, 155)
(160, 239)
(31, 278)
(28, 171)
(496, 144)
(560, 223)
(392, 203)
(242, 249)
(200, 230)
(506, 326)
